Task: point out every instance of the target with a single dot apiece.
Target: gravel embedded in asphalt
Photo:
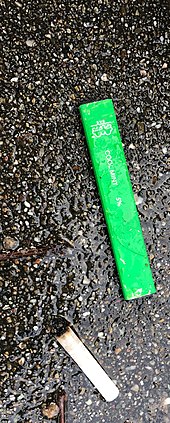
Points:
(57, 55)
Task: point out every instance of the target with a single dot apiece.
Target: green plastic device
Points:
(112, 176)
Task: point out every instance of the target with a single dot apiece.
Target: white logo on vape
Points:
(119, 201)
(111, 168)
(101, 128)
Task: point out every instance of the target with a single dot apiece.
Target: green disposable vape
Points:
(112, 176)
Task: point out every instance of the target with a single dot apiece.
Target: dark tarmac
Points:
(55, 56)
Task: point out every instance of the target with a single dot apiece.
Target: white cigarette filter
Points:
(85, 360)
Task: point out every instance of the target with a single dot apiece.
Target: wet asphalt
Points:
(55, 56)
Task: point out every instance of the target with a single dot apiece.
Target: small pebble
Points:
(94, 66)
(138, 199)
(104, 77)
(151, 256)
(27, 204)
(30, 43)
(51, 411)
(18, 4)
(135, 388)
(141, 127)
(15, 79)
(86, 313)
(48, 36)
(89, 402)
(21, 361)
(117, 350)
(10, 243)
(143, 72)
(164, 150)
(100, 334)
(86, 281)
(132, 146)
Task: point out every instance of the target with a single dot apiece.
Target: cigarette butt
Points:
(85, 360)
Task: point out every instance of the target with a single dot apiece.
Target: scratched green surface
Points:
(112, 176)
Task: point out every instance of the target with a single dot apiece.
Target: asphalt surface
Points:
(57, 55)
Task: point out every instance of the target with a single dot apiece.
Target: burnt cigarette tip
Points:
(59, 325)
